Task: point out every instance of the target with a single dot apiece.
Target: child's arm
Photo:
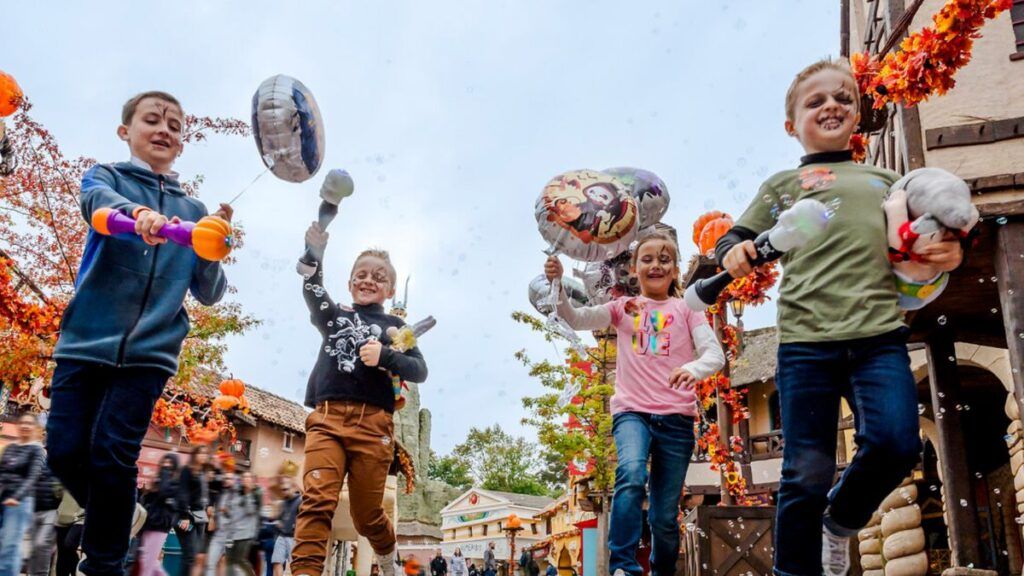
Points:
(321, 307)
(409, 365)
(710, 358)
(585, 318)
(735, 250)
(99, 190)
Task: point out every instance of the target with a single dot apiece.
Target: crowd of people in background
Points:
(224, 523)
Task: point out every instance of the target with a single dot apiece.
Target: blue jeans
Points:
(668, 440)
(98, 417)
(873, 374)
(16, 521)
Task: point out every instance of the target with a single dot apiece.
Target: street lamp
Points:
(736, 306)
(512, 527)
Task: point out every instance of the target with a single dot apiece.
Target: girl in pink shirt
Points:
(654, 402)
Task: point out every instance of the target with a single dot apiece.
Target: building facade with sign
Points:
(478, 517)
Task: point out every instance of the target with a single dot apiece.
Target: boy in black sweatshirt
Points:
(351, 430)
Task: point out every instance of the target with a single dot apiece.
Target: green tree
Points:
(449, 469)
(498, 461)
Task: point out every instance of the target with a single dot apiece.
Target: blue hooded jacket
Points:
(128, 308)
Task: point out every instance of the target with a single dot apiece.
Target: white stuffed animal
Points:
(920, 208)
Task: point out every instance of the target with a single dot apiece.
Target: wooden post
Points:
(748, 475)
(956, 480)
(844, 28)
(1009, 263)
(724, 414)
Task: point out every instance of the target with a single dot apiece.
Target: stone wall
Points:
(412, 428)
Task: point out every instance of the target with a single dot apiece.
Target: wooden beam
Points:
(844, 28)
(961, 519)
(975, 133)
(1009, 264)
(724, 414)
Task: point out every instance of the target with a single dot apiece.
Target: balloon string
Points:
(237, 196)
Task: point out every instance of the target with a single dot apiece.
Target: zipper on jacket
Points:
(149, 285)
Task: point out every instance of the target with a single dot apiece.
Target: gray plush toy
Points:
(921, 207)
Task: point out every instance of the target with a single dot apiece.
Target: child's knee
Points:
(810, 471)
(631, 474)
(321, 489)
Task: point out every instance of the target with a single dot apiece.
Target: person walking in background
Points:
(222, 521)
(48, 494)
(193, 508)
(291, 498)
(524, 562)
(490, 562)
(438, 566)
(458, 563)
(268, 537)
(242, 532)
(68, 527)
(20, 466)
(162, 512)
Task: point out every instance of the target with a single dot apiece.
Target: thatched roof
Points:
(757, 361)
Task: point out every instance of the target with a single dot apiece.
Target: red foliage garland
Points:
(927, 60)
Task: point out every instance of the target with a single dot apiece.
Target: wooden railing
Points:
(766, 446)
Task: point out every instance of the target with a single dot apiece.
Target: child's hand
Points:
(552, 268)
(370, 353)
(737, 260)
(149, 223)
(945, 256)
(316, 238)
(681, 377)
(225, 212)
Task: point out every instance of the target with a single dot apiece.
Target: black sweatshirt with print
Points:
(339, 374)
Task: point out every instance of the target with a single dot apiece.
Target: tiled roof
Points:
(757, 361)
(418, 529)
(526, 500)
(265, 406)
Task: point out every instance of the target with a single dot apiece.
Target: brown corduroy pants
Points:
(342, 438)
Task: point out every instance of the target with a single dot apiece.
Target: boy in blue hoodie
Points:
(124, 327)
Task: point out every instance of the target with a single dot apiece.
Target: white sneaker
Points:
(620, 572)
(835, 553)
(387, 563)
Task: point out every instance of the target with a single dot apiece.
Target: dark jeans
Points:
(873, 374)
(238, 559)
(68, 540)
(668, 440)
(98, 418)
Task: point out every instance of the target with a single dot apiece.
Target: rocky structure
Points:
(412, 428)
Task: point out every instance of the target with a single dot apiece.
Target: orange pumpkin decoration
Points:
(10, 94)
(232, 387)
(712, 231)
(203, 436)
(702, 220)
(211, 238)
(224, 402)
(243, 404)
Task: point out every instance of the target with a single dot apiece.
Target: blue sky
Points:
(451, 117)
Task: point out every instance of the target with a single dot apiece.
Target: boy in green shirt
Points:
(840, 330)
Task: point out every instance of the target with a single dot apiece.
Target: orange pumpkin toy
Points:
(713, 230)
(702, 220)
(211, 238)
(10, 94)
